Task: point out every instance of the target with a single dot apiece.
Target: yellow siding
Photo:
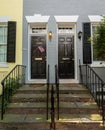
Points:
(14, 9)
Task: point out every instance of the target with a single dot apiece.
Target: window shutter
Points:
(11, 41)
(86, 43)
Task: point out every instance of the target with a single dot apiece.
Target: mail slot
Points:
(65, 58)
(38, 59)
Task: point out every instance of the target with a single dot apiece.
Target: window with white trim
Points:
(94, 30)
(95, 21)
(3, 42)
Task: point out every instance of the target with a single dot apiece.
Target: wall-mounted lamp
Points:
(79, 35)
(50, 35)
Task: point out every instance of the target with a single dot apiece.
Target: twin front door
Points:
(65, 57)
(38, 57)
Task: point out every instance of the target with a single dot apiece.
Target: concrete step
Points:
(27, 110)
(79, 126)
(39, 122)
(24, 122)
(32, 89)
(42, 97)
(45, 91)
(65, 107)
(80, 118)
(39, 118)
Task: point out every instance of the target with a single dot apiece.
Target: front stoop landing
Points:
(27, 110)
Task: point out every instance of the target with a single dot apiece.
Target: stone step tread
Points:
(80, 118)
(28, 87)
(23, 118)
(44, 95)
(88, 105)
(44, 87)
(73, 88)
(60, 91)
(39, 118)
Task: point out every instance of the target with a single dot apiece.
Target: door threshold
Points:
(68, 81)
(36, 81)
(44, 81)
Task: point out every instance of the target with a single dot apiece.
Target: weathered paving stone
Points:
(27, 110)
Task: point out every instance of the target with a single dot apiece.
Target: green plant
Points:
(12, 84)
(99, 40)
(10, 87)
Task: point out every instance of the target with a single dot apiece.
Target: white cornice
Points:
(95, 18)
(37, 18)
(66, 18)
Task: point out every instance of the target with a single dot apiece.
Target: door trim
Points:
(75, 51)
(38, 57)
(29, 60)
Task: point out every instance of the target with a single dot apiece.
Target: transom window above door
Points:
(37, 29)
(68, 29)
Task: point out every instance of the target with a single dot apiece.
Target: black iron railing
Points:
(95, 85)
(10, 84)
(53, 89)
(57, 89)
(52, 125)
(48, 84)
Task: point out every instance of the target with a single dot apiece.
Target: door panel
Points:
(66, 56)
(38, 57)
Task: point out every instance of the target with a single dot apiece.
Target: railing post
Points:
(57, 89)
(81, 76)
(48, 91)
(52, 126)
(52, 109)
(102, 103)
(18, 74)
(47, 99)
(86, 76)
(58, 99)
(24, 71)
(2, 102)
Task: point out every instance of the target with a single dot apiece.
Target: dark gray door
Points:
(38, 57)
(66, 56)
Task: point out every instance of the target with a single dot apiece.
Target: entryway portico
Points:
(60, 49)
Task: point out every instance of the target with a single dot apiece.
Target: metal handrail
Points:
(48, 83)
(57, 88)
(52, 125)
(95, 85)
(52, 90)
(10, 84)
